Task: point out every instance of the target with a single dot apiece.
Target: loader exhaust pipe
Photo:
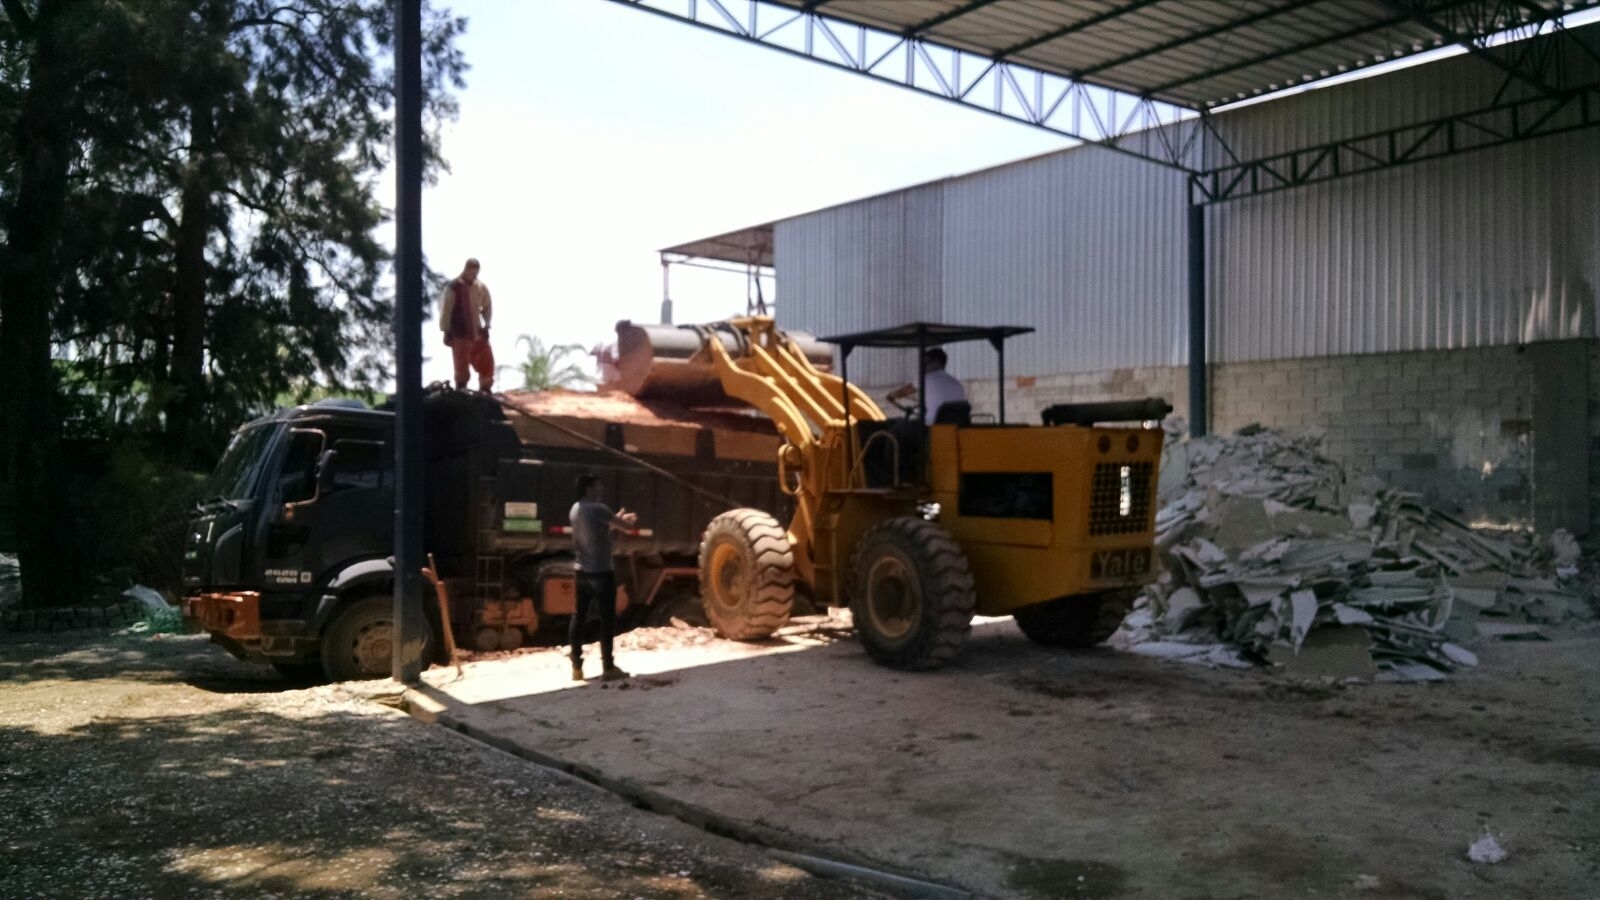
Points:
(667, 362)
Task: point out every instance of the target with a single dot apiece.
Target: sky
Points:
(592, 135)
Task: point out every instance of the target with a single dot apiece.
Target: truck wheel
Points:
(911, 594)
(306, 673)
(359, 645)
(1078, 621)
(746, 574)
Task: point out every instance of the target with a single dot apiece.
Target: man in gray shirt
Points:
(592, 523)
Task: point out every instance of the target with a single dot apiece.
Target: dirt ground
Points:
(1025, 773)
(159, 767)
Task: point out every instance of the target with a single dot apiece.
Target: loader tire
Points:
(1079, 621)
(911, 594)
(746, 574)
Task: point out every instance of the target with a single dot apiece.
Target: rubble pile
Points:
(1272, 554)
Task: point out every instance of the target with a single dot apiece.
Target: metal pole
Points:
(410, 624)
(1000, 353)
(666, 291)
(1199, 398)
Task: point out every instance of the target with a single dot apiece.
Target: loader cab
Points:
(893, 453)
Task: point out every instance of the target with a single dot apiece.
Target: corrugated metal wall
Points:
(1496, 247)
(1086, 246)
(1493, 247)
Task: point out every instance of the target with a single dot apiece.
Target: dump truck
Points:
(914, 527)
(288, 560)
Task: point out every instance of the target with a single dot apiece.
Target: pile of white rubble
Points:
(1273, 555)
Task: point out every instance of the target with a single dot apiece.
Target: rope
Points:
(621, 454)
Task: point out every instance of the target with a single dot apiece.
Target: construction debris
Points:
(1273, 554)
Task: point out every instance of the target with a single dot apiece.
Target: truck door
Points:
(336, 505)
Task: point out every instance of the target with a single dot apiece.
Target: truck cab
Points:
(294, 533)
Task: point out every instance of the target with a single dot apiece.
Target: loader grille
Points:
(1119, 498)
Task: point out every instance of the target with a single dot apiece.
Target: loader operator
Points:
(941, 386)
(464, 313)
(592, 523)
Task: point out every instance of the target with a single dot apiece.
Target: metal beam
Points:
(956, 13)
(1211, 32)
(1150, 130)
(1075, 27)
(1496, 126)
(1199, 392)
(1275, 55)
(409, 623)
(1471, 42)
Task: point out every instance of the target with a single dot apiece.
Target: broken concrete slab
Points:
(1332, 652)
(1510, 631)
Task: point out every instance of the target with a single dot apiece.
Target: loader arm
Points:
(808, 406)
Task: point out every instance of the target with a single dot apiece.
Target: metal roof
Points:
(1193, 53)
(747, 246)
(926, 334)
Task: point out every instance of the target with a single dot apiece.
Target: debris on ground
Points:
(1274, 554)
(1487, 850)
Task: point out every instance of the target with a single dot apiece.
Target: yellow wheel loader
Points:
(915, 527)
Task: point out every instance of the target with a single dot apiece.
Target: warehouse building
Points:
(1435, 320)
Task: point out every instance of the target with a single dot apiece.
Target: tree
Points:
(545, 369)
(188, 204)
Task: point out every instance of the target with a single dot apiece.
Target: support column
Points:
(410, 624)
(1199, 396)
(666, 291)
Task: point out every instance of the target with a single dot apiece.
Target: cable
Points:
(578, 435)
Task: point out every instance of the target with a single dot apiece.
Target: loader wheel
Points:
(746, 574)
(1079, 621)
(359, 645)
(911, 594)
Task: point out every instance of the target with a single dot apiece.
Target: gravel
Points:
(135, 766)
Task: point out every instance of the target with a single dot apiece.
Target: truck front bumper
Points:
(235, 616)
(233, 619)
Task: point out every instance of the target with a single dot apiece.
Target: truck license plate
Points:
(1131, 563)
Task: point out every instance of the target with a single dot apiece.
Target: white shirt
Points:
(941, 388)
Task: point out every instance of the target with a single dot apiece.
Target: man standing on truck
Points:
(464, 314)
(592, 524)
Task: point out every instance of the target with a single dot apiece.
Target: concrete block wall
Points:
(1457, 426)
(1028, 396)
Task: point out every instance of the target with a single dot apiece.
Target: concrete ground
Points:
(1020, 772)
(138, 767)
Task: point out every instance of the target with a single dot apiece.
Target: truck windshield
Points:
(236, 472)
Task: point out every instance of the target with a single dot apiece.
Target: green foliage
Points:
(547, 368)
(159, 621)
(189, 206)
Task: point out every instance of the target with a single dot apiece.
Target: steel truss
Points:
(1159, 132)
(1478, 130)
(1181, 137)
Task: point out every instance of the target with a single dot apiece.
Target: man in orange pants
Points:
(464, 313)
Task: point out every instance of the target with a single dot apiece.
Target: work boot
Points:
(577, 672)
(612, 673)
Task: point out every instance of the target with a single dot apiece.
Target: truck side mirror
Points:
(325, 471)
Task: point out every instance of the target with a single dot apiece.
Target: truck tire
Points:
(359, 644)
(911, 594)
(746, 574)
(1078, 621)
